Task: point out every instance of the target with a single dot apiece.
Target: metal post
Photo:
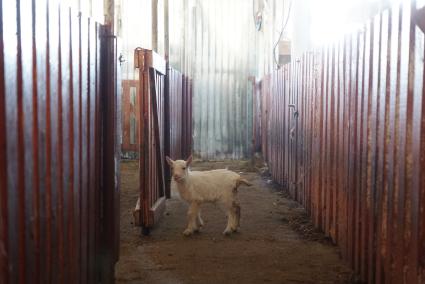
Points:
(166, 32)
(109, 8)
(155, 25)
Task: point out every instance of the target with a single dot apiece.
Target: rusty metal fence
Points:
(175, 114)
(180, 114)
(165, 129)
(152, 71)
(178, 136)
(57, 147)
(343, 129)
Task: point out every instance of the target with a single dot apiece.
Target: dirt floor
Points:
(276, 242)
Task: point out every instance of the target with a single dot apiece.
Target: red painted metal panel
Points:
(178, 110)
(130, 111)
(165, 105)
(4, 243)
(354, 155)
(108, 119)
(51, 161)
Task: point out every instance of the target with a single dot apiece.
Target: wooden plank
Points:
(146, 58)
(157, 210)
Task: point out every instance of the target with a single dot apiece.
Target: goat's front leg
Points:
(192, 216)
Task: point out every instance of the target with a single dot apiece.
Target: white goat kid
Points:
(197, 187)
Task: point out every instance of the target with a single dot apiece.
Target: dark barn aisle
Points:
(266, 250)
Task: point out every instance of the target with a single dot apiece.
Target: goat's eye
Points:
(184, 168)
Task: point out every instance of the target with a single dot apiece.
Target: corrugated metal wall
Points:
(51, 141)
(178, 119)
(215, 43)
(351, 148)
(175, 114)
(222, 57)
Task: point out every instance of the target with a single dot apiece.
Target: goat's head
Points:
(179, 168)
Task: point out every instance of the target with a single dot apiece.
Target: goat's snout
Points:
(177, 177)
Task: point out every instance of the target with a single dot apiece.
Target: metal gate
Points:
(152, 71)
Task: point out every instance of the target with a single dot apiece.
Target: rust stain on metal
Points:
(343, 131)
(165, 128)
(53, 105)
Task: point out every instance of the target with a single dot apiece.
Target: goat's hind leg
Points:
(232, 219)
(237, 215)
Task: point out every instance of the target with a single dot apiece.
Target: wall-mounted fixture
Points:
(284, 51)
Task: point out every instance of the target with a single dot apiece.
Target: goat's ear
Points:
(169, 161)
(189, 160)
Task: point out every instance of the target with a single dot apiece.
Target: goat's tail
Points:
(242, 181)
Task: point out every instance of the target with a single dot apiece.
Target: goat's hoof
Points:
(187, 232)
(227, 232)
